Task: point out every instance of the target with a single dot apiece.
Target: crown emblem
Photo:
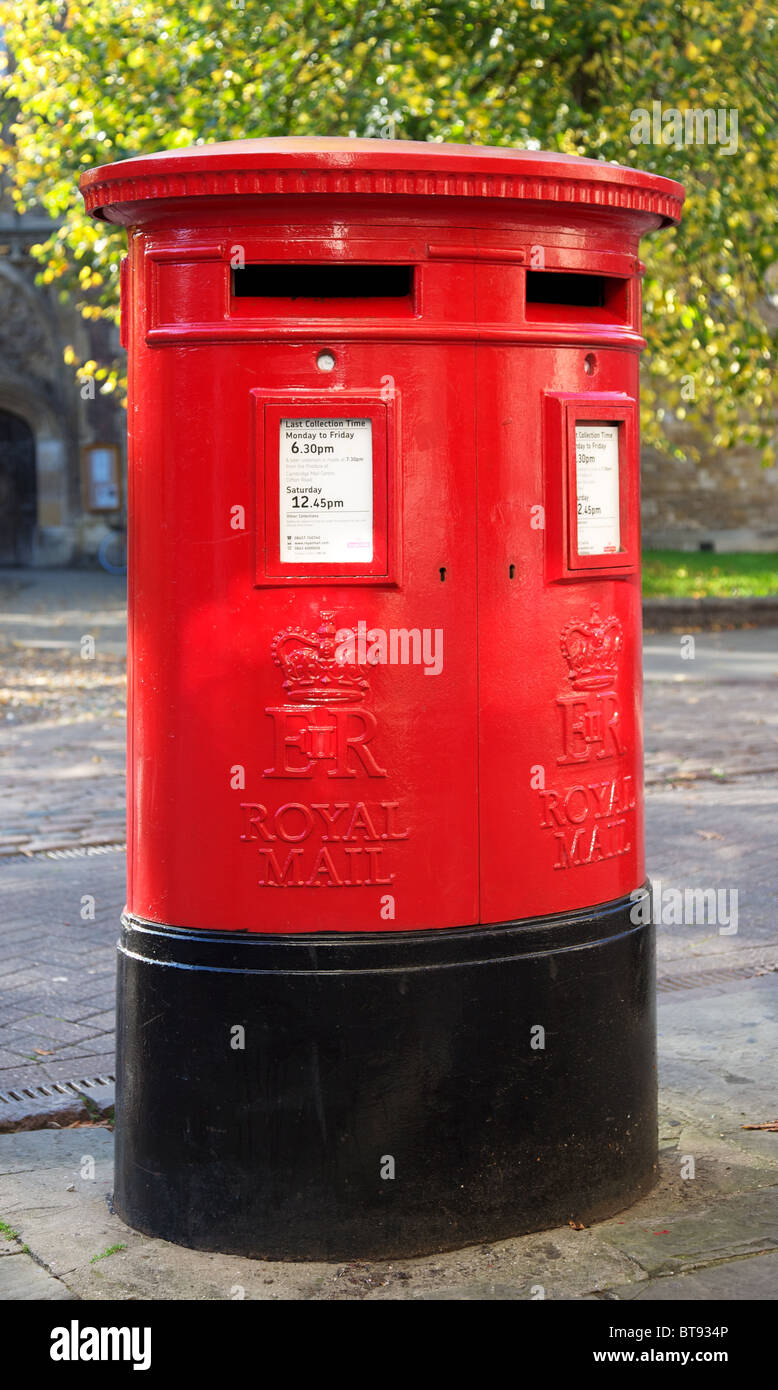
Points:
(312, 672)
(591, 650)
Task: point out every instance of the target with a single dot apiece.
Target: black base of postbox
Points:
(332, 1097)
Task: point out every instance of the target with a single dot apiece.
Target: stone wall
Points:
(727, 499)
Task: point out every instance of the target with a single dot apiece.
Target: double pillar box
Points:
(386, 967)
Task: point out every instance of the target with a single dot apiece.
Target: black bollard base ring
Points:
(341, 1096)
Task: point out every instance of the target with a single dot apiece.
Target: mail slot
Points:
(385, 970)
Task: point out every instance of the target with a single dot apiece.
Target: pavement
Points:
(709, 1229)
(62, 756)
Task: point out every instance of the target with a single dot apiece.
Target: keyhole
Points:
(511, 571)
(443, 574)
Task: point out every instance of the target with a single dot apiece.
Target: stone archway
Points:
(30, 393)
(18, 491)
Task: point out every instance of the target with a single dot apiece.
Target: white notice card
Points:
(326, 491)
(597, 483)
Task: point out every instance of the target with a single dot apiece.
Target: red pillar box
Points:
(385, 975)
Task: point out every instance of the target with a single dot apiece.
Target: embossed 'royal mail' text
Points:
(337, 844)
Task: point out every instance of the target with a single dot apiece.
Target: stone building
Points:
(46, 423)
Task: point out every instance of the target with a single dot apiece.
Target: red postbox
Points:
(385, 976)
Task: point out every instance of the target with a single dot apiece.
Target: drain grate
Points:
(53, 1104)
(73, 851)
(717, 975)
(54, 1089)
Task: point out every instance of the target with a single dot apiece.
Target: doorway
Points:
(18, 490)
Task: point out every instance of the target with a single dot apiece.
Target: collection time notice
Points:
(326, 491)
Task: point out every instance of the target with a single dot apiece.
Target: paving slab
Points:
(717, 1059)
(56, 1010)
(22, 1279)
(731, 1281)
(741, 1224)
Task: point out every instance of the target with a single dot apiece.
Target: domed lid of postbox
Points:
(291, 166)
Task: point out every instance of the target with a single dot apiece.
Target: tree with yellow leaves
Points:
(636, 82)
